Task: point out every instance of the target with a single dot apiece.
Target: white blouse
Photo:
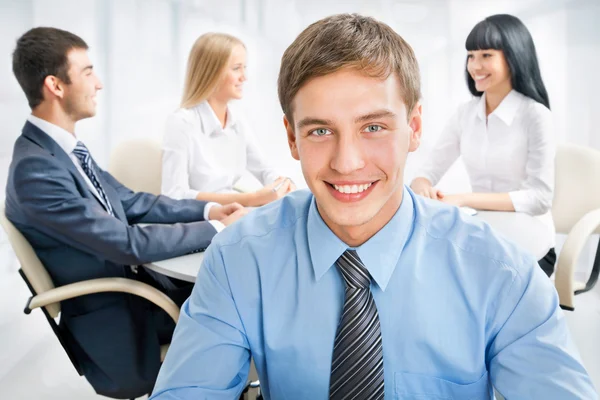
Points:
(512, 150)
(199, 155)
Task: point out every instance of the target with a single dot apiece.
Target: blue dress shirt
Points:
(461, 309)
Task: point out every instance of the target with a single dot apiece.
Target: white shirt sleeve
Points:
(256, 163)
(537, 191)
(218, 225)
(175, 160)
(444, 153)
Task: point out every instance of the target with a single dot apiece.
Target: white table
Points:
(185, 267)
(526, 231)
(523, 229)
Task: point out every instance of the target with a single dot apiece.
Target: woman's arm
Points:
(444, 153)
(535, 195)
(267, 194)
(245, 199)
(537, 191)
(481, 201)
(175, 159)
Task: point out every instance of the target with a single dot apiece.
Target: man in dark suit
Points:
(82, 222)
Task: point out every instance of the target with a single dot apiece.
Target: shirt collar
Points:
(66, 140)
(377, 254)
(481, 108)
(210, 122)
(506, 110)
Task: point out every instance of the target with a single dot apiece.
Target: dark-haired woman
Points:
(504, 134)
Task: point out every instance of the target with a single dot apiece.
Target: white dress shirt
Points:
(511, 151)
(199, 155)
(67, 141)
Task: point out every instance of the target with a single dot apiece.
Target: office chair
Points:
(47, 297)
(576, 212)
(137, 164)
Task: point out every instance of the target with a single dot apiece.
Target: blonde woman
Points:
(207, 145)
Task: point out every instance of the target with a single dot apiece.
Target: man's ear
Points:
(291, 138)
(53, 85)
(415, 124)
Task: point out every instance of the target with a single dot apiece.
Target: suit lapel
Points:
(40, 138)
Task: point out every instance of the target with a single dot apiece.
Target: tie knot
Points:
(81, 152)
(354, 272)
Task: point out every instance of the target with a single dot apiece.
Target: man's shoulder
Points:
(268, 223)
(471, 237)
(28, 157)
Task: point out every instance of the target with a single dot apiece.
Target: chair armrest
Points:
(567, 259)
(100, 285)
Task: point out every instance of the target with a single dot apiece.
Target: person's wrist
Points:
(212, 213)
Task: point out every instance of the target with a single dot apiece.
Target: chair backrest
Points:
(33, 269)
(577, 185)
(137, 164)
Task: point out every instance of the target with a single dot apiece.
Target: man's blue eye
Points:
(320, 132)
(373, 128)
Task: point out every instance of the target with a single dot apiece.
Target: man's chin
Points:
(347, 218)
(88, 114)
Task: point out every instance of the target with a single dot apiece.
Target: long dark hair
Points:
(507, 33)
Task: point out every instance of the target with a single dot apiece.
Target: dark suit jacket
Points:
(113, 335)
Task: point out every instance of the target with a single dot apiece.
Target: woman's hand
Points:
(423, 187)
(273, 191)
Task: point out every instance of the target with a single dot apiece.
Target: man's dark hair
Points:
(41, 52)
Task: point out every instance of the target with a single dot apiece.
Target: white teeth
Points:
(352, 188)
(480, 77)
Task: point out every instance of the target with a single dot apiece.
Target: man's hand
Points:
(219, 213)
(234, 216)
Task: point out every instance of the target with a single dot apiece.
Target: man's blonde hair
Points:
(348, 41)
(206, 64)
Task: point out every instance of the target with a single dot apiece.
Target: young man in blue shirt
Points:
(359, 289)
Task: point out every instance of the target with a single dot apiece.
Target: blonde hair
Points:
(348, 41)
(206, 63)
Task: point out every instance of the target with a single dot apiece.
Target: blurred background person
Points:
(207, 145)
(505, 134)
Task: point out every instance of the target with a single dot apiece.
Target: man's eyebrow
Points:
(90, 67)
(384, 113)
(313, 121)
(375, 115)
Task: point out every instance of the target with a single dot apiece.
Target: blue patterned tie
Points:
(85, 159)
(357, 363)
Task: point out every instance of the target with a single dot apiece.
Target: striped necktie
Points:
(86, 162)
(357, 363)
